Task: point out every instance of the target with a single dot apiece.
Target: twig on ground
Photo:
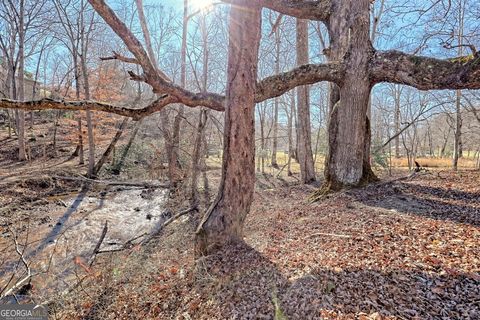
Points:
(99, 243)
(330, 235)
(169, 221)
(126, 245)
(280, 171)
(29, 275)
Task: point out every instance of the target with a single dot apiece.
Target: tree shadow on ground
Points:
(440, 203)
(58, 229)
(247, 285)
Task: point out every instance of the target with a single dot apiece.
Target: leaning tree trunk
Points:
(110, 147)
(224, 220)
(346, 163)
(305, 156)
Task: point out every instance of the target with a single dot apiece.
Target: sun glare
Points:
(201, 4)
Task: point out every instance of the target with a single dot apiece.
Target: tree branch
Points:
(303, 9)
(277, 85)
(152, 76)
(119, 57)
(426, 73)
(136, 114)
(268, 88)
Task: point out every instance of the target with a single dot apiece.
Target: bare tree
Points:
(354, 66)
(21, 15)
(304, 147)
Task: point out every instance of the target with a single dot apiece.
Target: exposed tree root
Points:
(321, 193)
(329, 187)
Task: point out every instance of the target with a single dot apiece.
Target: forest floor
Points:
(397, 249)
(404, 249)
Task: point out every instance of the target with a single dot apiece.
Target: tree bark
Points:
(457, 138)
(348, 127)
(110, 147)
(224, 220)
(290, 134)
(118, 166)
(396, 120)
(198, 156)
(21, 83)
(305, 155)
(91, 137)
(275, 111)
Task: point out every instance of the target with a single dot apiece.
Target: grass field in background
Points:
(467, 162)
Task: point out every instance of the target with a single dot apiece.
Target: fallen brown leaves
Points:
(400, 250)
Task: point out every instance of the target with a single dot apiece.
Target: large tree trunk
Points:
(224, 220)
(305, 156)
(346, 163)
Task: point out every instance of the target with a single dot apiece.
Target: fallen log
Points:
(114, 183)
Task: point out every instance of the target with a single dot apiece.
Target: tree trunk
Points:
(261, 155)
(86, 88)
(224, 220)
(174, 165)
(79, 150)
(55, 128)
(172, 140)
(9, 119)
(21, 83)
(348, 128)
(202, 120)
(290, 135)
(118, 166)
(91, 137)
(110, 147)
(397, 119)
(305, 155)
(275, 111)
(197, 153)
(457, 145)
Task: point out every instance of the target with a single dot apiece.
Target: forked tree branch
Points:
(152, 76)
